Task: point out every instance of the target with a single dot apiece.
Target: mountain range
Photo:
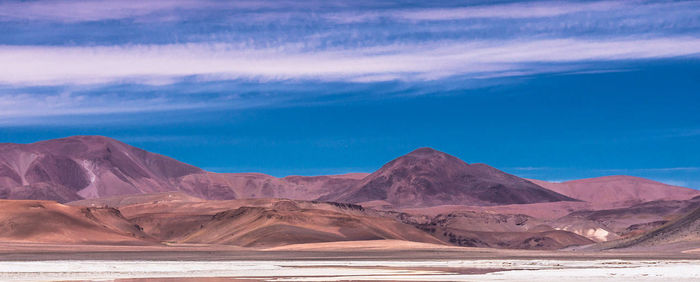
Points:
(117, 193)
(88, 167)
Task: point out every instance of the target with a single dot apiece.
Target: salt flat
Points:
(344, 270)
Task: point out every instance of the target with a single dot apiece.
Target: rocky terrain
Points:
(426, 177)
(116, 194)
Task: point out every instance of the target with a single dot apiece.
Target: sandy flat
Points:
(373, 260)
(375, 245)
(351, 250)
(346, 270)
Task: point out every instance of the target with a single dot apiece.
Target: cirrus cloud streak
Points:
(163, 64)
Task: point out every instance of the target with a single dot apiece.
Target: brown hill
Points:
(175, 218)
(680, 234)
(619, 191)
(609, 224)
(552, 210)
(89, 167)
(267, 223)
(486, 229)
(426, 177)
(50, 222)
(544, 240)
(276, 222)
(684, 229)
(182, 219)
(594, 222)
(256, 226)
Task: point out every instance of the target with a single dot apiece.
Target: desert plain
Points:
(376, 260)
(93, 208)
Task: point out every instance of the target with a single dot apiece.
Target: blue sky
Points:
(551, 90)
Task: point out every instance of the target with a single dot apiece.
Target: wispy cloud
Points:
(653, 170)
(613, 170)
(503, 11)
(31, 105)
(99, 10)
(14, 106)
(675, 182)
(678, 132)
(339, 11)
(175, 45)
(33, 65)
(84, 10)
(532, 168)
(148, 138)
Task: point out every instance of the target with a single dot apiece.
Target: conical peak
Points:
(426, 152)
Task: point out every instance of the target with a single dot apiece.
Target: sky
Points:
(553, 90)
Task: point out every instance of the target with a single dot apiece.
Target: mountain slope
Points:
(619, 190)
(84, 167)
(257, 226)
(224, 186)
(426, 177)
(265, 222)
(680, 234)
(493, 230)
(620, 220)
(89, 167)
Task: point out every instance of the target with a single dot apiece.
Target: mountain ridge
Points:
(619, 190)
(427, 177)
(87, 167)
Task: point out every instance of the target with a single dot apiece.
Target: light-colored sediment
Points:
(332, 270)
(374, 245)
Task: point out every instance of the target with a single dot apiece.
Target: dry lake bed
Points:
(350, 270)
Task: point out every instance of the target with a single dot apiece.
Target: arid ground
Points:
(345, 261)
(93, 208)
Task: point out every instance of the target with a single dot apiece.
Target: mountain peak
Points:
(83, 138)
(427, 177)
(427, 153)
(424, 151)
(86, 167)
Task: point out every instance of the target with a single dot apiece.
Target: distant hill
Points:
(619, 190)
(682, 233)
(224, 186)
(119, 194)
(84, 167)
(90, 167)
(426, 177)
